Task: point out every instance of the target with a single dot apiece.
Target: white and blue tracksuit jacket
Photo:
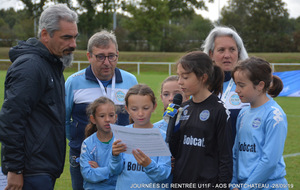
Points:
(259, 144)
(82, 88)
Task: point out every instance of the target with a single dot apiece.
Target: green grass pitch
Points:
(290, 105)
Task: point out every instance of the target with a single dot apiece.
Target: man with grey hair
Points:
(32, 118)
(100, 78)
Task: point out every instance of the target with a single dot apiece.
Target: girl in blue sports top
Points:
(140, 103)
(169, 88)
(96, 148)
(261, 129)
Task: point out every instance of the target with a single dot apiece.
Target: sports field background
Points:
(154, 77)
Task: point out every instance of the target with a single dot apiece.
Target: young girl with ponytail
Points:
(261, 128)
(97, 147)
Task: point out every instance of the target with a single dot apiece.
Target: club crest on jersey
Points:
(204, 115)
(234, 100)
(256, 123)
(185, 112)
(120, 96)
(184, 115)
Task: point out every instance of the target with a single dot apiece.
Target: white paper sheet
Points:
(150, 141)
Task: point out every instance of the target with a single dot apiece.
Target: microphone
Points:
(177, 100)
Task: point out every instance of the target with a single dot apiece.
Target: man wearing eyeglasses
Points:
(100, 78)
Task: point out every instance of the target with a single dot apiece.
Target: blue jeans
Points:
(76, 177)
(38, 182)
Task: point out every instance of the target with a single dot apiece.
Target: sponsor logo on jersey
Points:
(278, 116)
(134, 167)
(242, 118)
(184, 115)
(193, 141)
(234, 100)
(77, 74)
(256, 123)
(94, 150)
(83, 148)
(243, 147)
(204, 115)
(120, 96)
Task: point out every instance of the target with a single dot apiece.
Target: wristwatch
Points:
(17, 172)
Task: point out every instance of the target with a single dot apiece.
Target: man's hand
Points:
(14, 181)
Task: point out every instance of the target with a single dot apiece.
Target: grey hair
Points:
(209, 43)
(101, 39)
(52, 15)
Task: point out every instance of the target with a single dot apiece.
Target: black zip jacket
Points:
(32, 117)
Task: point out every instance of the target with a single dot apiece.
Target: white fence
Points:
(134, 63)
(157, 63)
(171, 63)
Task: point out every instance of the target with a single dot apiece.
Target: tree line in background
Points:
(164, 25)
